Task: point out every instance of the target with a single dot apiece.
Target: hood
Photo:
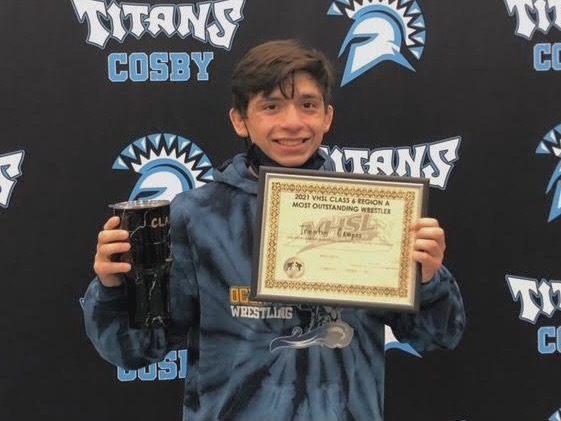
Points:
(234, 172)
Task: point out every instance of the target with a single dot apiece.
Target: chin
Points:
(292, 162)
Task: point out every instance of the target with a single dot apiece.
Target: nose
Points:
(291, 118)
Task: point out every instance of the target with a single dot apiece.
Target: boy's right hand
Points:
(111, 240)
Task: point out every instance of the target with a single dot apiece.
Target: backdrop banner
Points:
(105, 101)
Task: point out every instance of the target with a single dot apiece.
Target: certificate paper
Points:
(337, 238)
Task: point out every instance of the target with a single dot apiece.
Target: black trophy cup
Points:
(147, 284)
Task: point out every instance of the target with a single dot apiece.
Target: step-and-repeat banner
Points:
(103, 101)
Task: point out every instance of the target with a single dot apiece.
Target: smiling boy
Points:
(266, 362)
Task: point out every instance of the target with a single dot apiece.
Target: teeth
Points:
(290, 142)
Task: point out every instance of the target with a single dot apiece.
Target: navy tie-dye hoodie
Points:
(262, 362)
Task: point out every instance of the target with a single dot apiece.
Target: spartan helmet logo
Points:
(383, 30)
(551, 145)
(168, 164)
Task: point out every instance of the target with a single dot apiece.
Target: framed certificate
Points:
(337, 238)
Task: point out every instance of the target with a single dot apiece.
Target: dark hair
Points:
(273, 64)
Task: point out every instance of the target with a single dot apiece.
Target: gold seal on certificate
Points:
(337, 238)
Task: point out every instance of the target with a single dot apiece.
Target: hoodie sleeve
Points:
(441, 320)
(106, 313)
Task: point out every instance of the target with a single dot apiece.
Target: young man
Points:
(249, 366)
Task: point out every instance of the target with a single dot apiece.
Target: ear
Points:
(238, 122)
(328, 118)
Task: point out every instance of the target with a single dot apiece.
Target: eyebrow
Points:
(277, 96)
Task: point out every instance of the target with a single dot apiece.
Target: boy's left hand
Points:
(429, 246)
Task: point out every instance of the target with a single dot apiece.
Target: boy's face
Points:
(288, 130)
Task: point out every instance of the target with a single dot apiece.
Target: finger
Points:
(432, 233)
(105, 251)
(425, 222)
(429, 246)
(112, 223)
(429, 265)
(110, 274)
(428, 262)
(112, 235)
(424, 258)
(105, 269)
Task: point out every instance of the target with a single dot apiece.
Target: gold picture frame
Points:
(337, 238)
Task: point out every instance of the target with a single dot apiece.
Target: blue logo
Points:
(168, 164)
(173, 366)
(538, 16)
(208, 22)
(551, 145)
(556, 416)
(382, 30)
(538, 298)
(10, 170)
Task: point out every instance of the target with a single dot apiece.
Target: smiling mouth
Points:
(290, 142)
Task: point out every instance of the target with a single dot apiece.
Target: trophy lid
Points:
(139, 204)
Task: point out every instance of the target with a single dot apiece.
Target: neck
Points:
(255, 158)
